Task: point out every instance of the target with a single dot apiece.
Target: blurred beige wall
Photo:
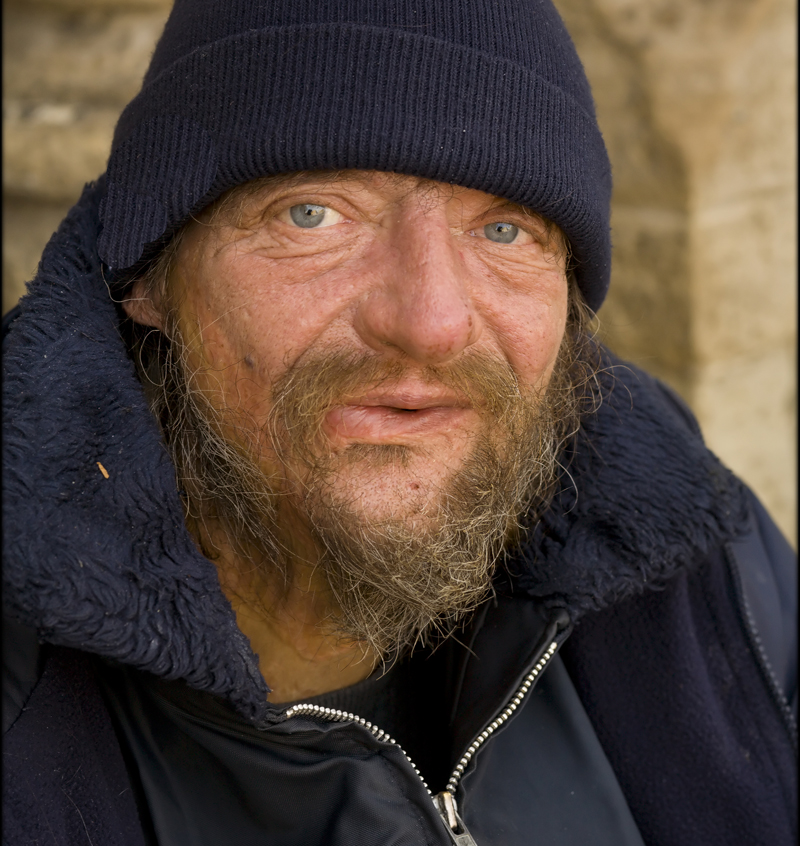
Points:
(696, 101)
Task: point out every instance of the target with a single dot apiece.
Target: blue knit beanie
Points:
(484, 94)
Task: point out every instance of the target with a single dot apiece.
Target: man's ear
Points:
(141, 307)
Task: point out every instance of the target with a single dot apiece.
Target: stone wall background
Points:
(697, 103)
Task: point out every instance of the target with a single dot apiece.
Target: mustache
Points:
(317, 383)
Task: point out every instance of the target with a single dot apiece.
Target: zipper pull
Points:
(446, 806)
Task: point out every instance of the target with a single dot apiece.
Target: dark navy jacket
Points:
(678, 591)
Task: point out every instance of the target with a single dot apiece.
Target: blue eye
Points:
(308, 215)
(501, 233)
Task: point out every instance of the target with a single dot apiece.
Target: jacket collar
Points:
(106, 565)
(642, 499)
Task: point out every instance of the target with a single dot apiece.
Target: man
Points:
(327, 520)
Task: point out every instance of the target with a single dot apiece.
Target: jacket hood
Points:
(103, 562)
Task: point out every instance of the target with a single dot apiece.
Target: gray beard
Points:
(393, 582)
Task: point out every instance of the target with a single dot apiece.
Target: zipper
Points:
(334, 715)
(444, 802)
(751, 630)
(514, 703)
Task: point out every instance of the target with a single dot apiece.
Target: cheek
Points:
(528, 319)
(248, 328)
(283, 317)
(538, 356)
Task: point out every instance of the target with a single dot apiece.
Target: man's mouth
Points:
(395, 417)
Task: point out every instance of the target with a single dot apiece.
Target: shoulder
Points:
(763, 564)
(23, 661)
(765, 571)
(64, 772)
(641, 498)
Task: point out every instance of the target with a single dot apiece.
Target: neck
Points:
(289, 625)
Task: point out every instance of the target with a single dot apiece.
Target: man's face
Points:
(368, 340)
(396, 268)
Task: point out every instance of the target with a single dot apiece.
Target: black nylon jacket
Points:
(666, 588)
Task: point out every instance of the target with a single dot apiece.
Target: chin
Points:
(387, 482)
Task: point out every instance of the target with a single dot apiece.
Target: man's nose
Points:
(421, 304)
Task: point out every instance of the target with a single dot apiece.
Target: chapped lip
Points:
(410, 400)
(397, 415)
